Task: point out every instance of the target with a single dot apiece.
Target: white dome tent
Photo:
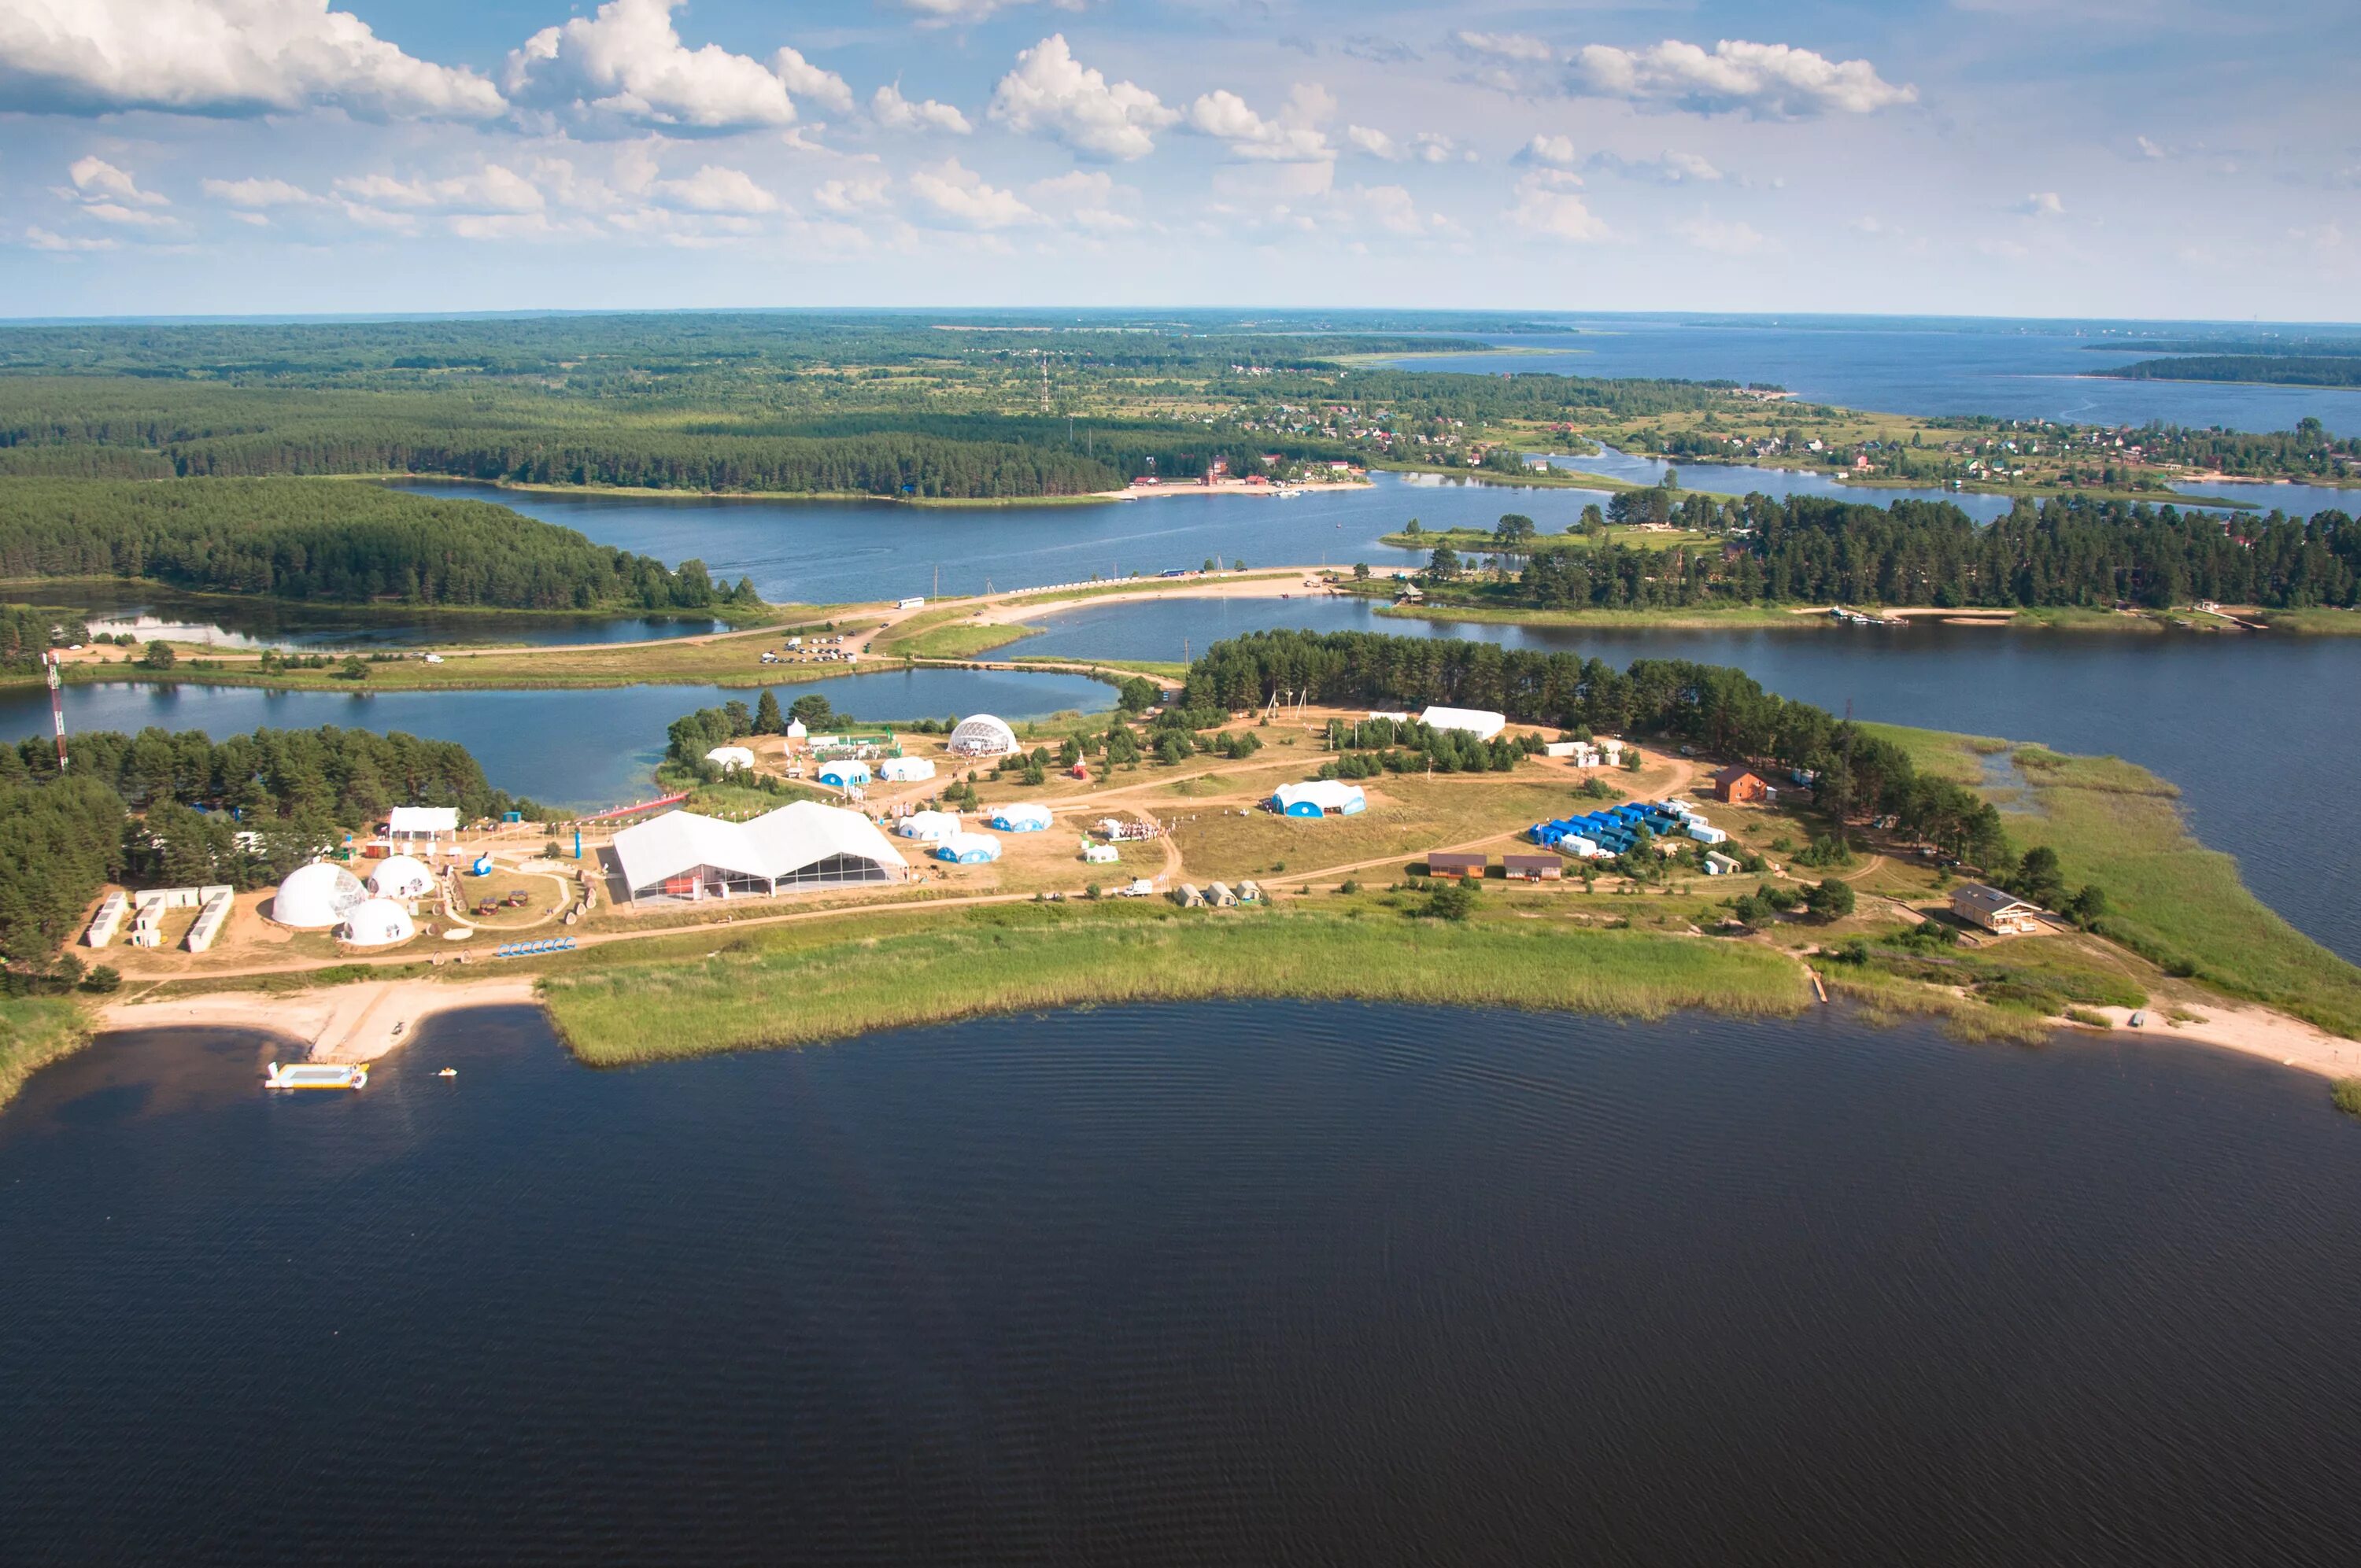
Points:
(376, 922)
(969, 849)
(928, 827)
(315, 896)
(731, 757)
(905, 770)
(982, 735)
(399, 876)
(1027, 816)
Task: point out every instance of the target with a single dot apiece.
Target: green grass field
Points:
(799, 985)
(34, 1032)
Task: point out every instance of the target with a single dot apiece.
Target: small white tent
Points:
(731, 757)
(1320, 798)
(399, 876)
(905, 770)
(845, 773)
(1028, 817)
(315, 897)
(968, 849)
(929, 826)
(1474, 722)
(982, 735)
(376, 922)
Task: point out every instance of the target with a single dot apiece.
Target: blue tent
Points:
(844, 775)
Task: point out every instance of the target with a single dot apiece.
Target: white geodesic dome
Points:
(399, 876)
(376, 922)
(982, 735)
(316, 896)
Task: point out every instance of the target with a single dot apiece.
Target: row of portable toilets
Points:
(529, 950)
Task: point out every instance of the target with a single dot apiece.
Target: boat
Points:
(448, 1072)
(2138, 1020)
(316, 1074)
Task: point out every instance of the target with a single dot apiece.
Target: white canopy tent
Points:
(399, 876)
(429, 822)
(731, 757)
(928, 827)
(982, 735)
(905, 770)
(1478, 722)
(316, 896)
(684, 855)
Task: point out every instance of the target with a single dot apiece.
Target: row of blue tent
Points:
(527, 949)
(1613, 829)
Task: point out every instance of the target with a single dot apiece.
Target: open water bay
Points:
(1237, 1283)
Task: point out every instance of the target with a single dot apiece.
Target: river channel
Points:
(1239, 1283)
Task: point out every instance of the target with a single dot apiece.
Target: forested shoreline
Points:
(171, 809)
(2055, 554)
(331, 542)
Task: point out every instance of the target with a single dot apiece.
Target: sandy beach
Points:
(2254, 1031)
(338, 1024)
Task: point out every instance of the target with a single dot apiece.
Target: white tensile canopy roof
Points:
(1328, 794)
(728, 757)
(376, 922)
(315, 897)
(421, 820)
(1481, 722)
(982, 735)
(770, 847)
(399, 876)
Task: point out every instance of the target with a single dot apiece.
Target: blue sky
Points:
(2124, 158)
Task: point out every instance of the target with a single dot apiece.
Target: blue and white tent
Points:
(969, 849)
(1320, 798)
(844, 775)
(1028, 817)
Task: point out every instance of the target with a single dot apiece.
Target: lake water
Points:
(1747, 478)
(1247, 1283)
(572, 749)
(2010, 370)
(2248, 728)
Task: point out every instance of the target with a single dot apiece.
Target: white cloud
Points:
(1732, 238)
(847, 197)
(1523, 48)
(1390, 208)
(798, 74)
(627, 66)
(2148, 149)
(1376, 143)
(1434, 147)
(258, 220)
(1292, 136)
(2041, 204)
(1055, 95)
(713, 188)
(493, 189)
(369, 217)
(1555, 152)
(38, 238)
(1089, 200)
(959, 194)
(895, 112)
(1760, 81)
(95, 179)
(1667, 168)
(262, 193)
(1546, 204)
(219, 57)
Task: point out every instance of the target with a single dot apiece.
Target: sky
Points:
(2164, 159)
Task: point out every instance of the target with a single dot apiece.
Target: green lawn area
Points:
(34, 1032)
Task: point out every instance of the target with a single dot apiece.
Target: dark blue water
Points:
(2252, 730)
(1252, 1283)
(1747, 478)
(843, 552)
(575, 748)
(2011, 371)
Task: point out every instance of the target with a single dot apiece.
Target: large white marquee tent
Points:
(683, 855)
(982, 735)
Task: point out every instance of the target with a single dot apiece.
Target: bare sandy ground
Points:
(1298, 584)
(342, 1024)
(2257, 1031)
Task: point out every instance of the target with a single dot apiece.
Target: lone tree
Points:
(1831, 900)
(768, 719)
(160, 655)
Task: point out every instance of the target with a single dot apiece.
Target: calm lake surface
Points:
(2011, 371)
(571, 748)
(2244, 726)
(1248, 1283)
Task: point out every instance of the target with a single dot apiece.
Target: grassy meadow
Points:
(34, 1032)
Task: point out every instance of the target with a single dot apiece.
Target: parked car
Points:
(1140, 888)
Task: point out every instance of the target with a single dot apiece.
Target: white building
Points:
(316, 896)
(1474, 722)
(982, 735)
(798, 846)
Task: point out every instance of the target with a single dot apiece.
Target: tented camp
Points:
(807, 845)
(928, 827)
(316, 896)
(1219, 895)
(399, 876)
(1028, 818)
(982, 735)
(845, 773)
(376, 922)
(969, 850)
(1319, 797)
(1474, 722)
(730, 758)
(905, 770)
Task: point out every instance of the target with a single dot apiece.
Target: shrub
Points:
(2346, 1096)
(1451, 900)
(103, 979)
